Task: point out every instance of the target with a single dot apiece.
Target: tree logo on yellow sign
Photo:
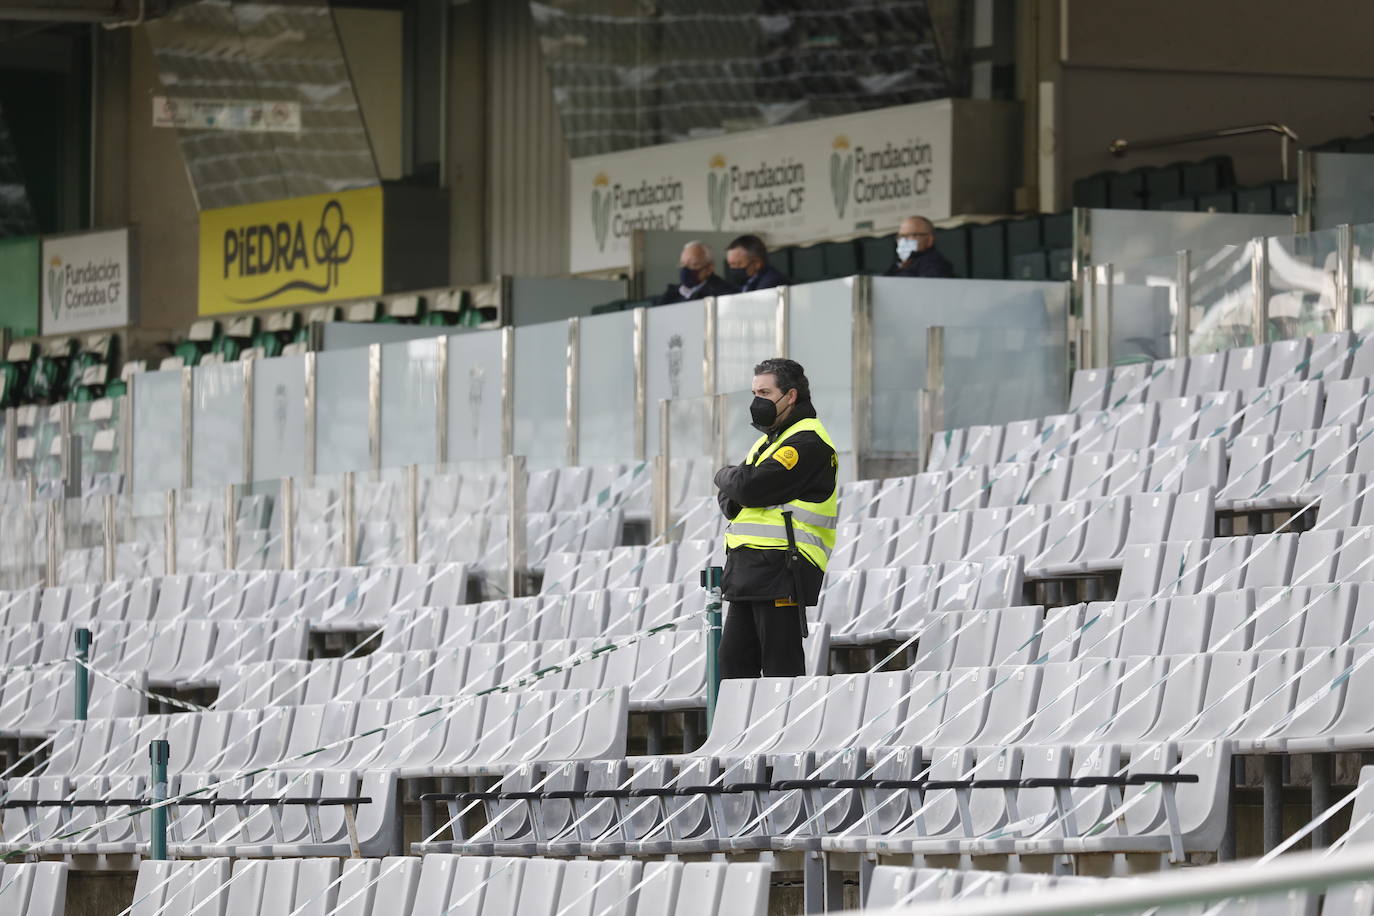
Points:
(263, 248)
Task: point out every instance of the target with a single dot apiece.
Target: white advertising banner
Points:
(86, 282)
(796, 183)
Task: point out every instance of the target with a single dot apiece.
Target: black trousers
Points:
(759, 638)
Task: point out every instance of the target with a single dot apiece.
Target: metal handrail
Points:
(1286, 134)
(1312, 871)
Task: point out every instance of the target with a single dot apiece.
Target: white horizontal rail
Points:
(1313, 871)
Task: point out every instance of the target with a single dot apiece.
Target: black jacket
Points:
(926, 263)
(714, 286)
(762, 575)
(767, 278)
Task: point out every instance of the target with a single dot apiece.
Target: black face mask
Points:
(764, 413)
(688, 277)
(737, 276)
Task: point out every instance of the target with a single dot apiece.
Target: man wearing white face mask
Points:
(916, 253)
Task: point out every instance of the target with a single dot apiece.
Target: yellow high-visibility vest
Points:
(813, 524)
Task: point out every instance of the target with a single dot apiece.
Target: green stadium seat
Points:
(1126, 190)
(1030, 265)
(988, 251)
(48, 376)
(1217, 202)
(1025, 236)
(808, 264)
(403, 310)
(1207, 176)
(877, 253)
(1092, 191)
(1061, 264)
(954, 245)
(363, 311)
(1255, 200)
(841, 259)
(1057, 229)
(446, 308)
(1163, 184)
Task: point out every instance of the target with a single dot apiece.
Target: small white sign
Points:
(86, 282)
(252, 116)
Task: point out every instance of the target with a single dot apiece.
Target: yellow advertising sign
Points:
(291, 252)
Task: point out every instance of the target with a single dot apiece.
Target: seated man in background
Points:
(696, 277)
(747, 258)
(916, 254)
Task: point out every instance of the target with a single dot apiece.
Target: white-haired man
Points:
(696, 277)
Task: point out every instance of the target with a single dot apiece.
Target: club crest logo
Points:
(841, 173)
(57, 282)
(601, 208)
(717, 191)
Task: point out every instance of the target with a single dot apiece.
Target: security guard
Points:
(782, 510)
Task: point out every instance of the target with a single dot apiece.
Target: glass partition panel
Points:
(820, 337)
(200, 530)
(1302, 284)
(81, 558)
(674, 354)
(1362, 238)
(541, 386)
(746, 333)
(410, 431)
(1028, 381)
(903, 310)
(24, 559)
(606, 389)
(1142, 298)
(99, 425)
(1343, 189)
(474, 395)
(258, 526)
(1223, 298)
(217, 424)
(141, 535)
(157, 431)
(319, 523)
(382, 508)
(462, 517)
(341, 404)
(278, 418)
(35, 452)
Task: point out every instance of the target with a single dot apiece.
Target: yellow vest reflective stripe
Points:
(813, 524)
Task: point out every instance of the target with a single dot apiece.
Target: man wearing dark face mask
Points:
(781, 503)
(696, 277)
(748, 267)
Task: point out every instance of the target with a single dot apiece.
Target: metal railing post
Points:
(1102, 321)
(1259, 286)
(1183, 303)
(861, 380)
(710, 580)
(641, 366)
(412, 513)
(1345, 278)
(169, 533)
(933, 395)
(517, 483)
(158, 753)
(288, 523)
(187, 425)
(11, 442)
(111, 536)
(782, 329)
(231, 527)
(54, 525)
(663, 474)
(350, 519)
(374, 408)
(571, 419)
(83, 674)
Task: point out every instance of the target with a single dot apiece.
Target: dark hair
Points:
(752, 245)
(789, 374)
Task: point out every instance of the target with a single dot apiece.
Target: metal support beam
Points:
(248, 394)
(53, 536)
(507, 391)
(517, 486)
(663, 476)
(1183, 303)
(861, 368)
(187, 421)
(310, 414)
(1345, 278)
(412, 532)
(169, 533)
(1323, 774)
(374, 408)
(933, 395)
(573, 393)
(641, 368)
(1273, 801)
(350, 518)
(441, 400)
(1259, 285)
(288, 523)
(231, 526)
(111, 536)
